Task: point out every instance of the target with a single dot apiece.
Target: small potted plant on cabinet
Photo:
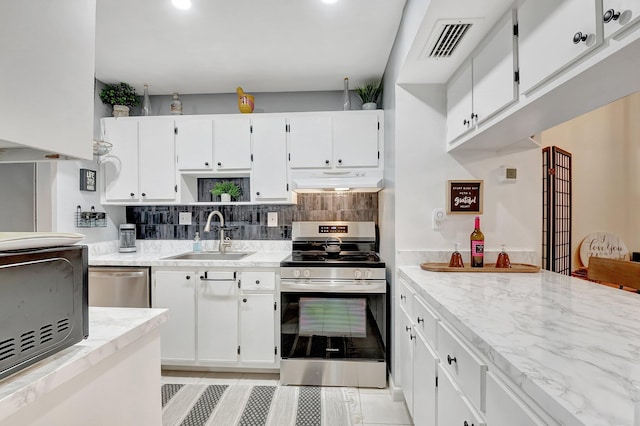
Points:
(121, 97)
(369, 94)
(226, 190)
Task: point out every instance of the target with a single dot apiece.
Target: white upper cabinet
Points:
(47, 61)
(334, 140)
(494, 82)
(141, 165)
(194, 144)
(618, 15)
(552, 35)
(157, 160)
(356, 139)
(459, 102)
(269, 180)
(213, 144)
(309, 142)
(231, 143)
(485, 84)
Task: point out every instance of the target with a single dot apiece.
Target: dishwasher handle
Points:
(119, 274)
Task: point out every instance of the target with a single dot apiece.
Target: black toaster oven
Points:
(43, 303)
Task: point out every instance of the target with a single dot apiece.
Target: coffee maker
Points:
(127, 237)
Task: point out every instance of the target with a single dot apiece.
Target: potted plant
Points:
(121, 97)
(369, 94)
(226, 190)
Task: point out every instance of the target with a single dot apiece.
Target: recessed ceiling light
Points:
(182, 4)
(329, 1)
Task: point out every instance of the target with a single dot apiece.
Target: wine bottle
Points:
(477, 245)
(146, 104)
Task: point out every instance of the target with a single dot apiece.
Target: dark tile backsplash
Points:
(249, 222)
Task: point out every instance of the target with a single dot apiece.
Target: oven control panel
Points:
(334, 273)
(333, 229)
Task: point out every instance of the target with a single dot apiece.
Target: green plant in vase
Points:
(369, 93)
(121, 97)
(226, 190)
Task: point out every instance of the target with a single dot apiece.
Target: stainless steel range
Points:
(333, 307)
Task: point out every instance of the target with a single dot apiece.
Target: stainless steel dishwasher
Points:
(124, 287)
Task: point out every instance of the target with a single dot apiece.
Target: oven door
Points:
(333, 320)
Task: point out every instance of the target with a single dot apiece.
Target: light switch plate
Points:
(184, 218)
(272, 219)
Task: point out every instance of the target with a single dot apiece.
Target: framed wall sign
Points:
(87, 180)
(464, 196)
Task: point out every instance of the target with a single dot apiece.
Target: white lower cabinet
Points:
(175, 290)
(504, 408)
(453, 407)
(445, 379)
(257, 331)
(217, 322)
(213, 322)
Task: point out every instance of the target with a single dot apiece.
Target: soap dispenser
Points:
(197, 244)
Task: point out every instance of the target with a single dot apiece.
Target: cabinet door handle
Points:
(257, 281)
(144, 194)
(610, 15)
(412, 336)
(451, 359)
(578, 37)
(339, 161)
(326, 162)
(219, 164)
(132, 194)
(188, 277)
(474, 115)
(465, 122)
(258, 193)
(206, 164)
(244, 300)
(407, 328)
(403, 297)
(467, 424)
(420, 320)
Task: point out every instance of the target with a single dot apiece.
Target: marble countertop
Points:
(110, 329)
(155, 253)
(572, 345)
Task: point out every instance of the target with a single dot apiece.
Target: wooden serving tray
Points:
(444, 267)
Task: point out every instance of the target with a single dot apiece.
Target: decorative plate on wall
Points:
(602, 244)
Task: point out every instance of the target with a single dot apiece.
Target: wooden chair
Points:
(620, 273)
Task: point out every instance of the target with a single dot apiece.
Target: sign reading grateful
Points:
(464, 196)
(602, 244)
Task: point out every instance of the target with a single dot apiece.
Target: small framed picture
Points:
(464, 196)
(87, 180)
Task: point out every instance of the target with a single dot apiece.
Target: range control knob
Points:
(296, 273)
(368, 274)
(306, 273)
(357, 273)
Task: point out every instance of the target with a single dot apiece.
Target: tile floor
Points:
(376, 404)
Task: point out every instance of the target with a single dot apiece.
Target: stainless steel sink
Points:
(212, 255)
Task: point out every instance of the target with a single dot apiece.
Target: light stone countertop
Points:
(572, 345)
(155, 253)
(110, 329)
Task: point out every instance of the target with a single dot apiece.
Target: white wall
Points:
(418, 167)
(64, 182)
(605, 156)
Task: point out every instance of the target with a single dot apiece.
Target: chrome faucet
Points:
(224, 242)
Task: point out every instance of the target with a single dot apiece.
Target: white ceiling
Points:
(261, 45)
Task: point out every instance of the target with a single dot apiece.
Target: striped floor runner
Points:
(247, 405)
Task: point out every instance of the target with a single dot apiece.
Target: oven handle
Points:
(377, 286)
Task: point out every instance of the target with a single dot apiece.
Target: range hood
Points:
(357, 181)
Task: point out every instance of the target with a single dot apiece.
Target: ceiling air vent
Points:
(445, 38)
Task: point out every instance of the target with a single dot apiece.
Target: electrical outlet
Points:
(184, 218)
(272, 219)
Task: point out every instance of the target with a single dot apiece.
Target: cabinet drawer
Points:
(453, 407)
(468, 371)
(405, 297)
(250, 280)
(425, 321)
(504, 408)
